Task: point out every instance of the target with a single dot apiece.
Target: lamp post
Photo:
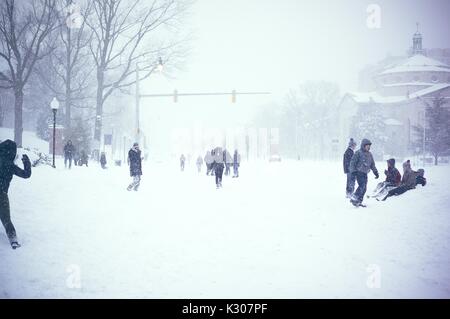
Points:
(55, 106)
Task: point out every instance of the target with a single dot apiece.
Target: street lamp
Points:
(55, 106)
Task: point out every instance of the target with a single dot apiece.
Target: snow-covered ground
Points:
(282, 230)
(30, 140)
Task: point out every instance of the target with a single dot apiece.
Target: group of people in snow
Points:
(71, 154)
(358, 164)
(217, 161)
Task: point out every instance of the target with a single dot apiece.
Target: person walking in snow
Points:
(236, 163)
(182, 162)
(135, 162)
(393, 179)
(218, 165)
(8, 152)
(408, 181)
(103, 160)
(228, 162)
(69, 151)
(208, 162)
(360, 165)
(199, 163)
(350, 186)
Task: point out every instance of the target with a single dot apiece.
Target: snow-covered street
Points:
(281, 230)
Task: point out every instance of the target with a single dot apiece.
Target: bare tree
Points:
(24, 31)
(67, 70)
(309, 114)
(122, 31)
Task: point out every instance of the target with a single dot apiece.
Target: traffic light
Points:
(233, 96)
(175, 96)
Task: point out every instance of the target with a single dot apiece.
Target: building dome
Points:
(418, 63)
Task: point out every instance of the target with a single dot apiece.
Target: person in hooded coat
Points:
(393, 179)
(350, 186)
(135, 162)
(360, 165)
(8, 152)
(408, 181)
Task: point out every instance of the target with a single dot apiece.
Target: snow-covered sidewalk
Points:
(282, 230)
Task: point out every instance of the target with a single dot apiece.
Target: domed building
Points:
(401, 93)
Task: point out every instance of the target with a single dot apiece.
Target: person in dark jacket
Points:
(218, 165)
(135, 162)
(103, 160)
(199, 163)
(182, 162)
(69, 151)
(408, 181)
(360, 165)
(236, 163)
(393, 179)
(350, 186)
(8, 152)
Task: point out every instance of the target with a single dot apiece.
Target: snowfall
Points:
(280, 230)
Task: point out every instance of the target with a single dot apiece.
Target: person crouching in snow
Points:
(360, 165)
(350, 187)
(393, 179)
(8, 152)
(408, 181)
(420, 179)
(135, 162)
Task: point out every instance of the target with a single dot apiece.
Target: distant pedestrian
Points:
(218, 165)
(135, 162)
(69, 151)
(103, 160)
(228, 162)
(182, 162)
(199, 163)
(236, 163)
(350, 187)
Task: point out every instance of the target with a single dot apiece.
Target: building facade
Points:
(400, 88)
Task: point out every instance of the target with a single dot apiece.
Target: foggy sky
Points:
(266, 45)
